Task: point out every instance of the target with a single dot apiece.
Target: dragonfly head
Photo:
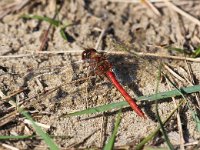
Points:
(88, 53)
(97, 61)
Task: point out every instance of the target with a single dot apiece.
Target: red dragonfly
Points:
(101, 66)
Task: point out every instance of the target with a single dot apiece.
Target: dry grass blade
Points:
(39, 131)
(183, 13)
(154, 133)
(103, 31)
(166, 56)
(44, 39)
(9, 147)
(195, 108)
(9, 96)
(8, 118)
(179, 122)
(174, 73)
(133, 1)
(152, 7)
(164, 132)
(78, 52)
(82, 141)
(192, 143)
(26, 121)
(11, 6)
(192, 82)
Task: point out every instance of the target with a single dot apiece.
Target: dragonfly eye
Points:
(85, 55)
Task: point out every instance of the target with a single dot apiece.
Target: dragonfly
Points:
(101, 66)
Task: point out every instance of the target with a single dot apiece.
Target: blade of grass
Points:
(194, 112)
(65, 35)
(18, 137)
(39, 131)
(170, 146)
(153, 97)
(196, 52)
(196, 119)
(171, 93)
(53, 22)
(154, 148)
(155, 132)
(111, 141)
(62, 33)
(176, 49)
(195, 116)
(98, 109)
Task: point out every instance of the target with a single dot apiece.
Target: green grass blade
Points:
(170, 146)
(153, 97)
(63, 35)
(98, 109)
(41, 18)
(40, 132)
(193, 111)
(171, 93)
(196, 119)
(18, 137)
(177, 49)
(155, 132)
(111, 141)
(197, 52)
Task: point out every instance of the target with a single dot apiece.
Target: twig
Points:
(9, 147)
(152, 7)
(167, 56)
(15, 56)
(178, 121)
(8, 118)
(41, 52)
(102, 130)
(11, 95)
(133, 1)
(45, 34)
(21, 5)
(192, 82)
(16, 6)
(183, 13)
(83, 140)
(44, 38)
(159, 56)
(103, 31)
(191, 143)
(174, 74)
(26, 121)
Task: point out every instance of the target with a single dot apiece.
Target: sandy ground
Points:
(134, 24)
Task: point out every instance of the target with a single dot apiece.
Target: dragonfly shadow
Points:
(127, 73)
(61, 94)
(184, 124)
(124, 68)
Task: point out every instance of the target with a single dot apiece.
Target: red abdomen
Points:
(127, 97)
